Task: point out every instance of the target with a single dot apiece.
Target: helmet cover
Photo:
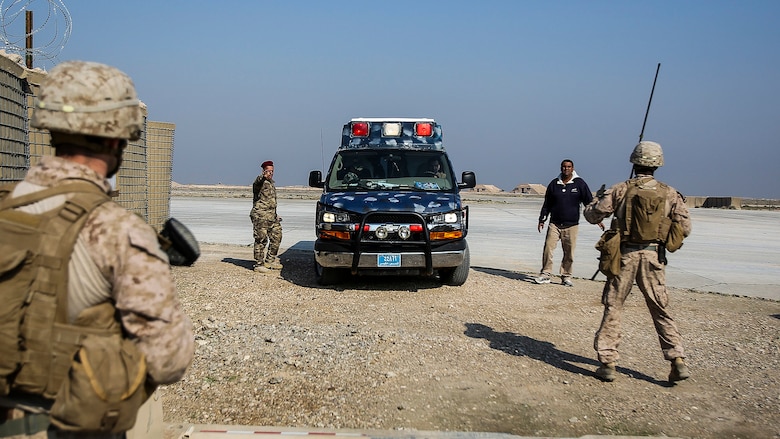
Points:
(648, 154)
(89, 98)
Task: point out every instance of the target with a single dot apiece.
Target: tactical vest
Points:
(37, 344)
(645, 220)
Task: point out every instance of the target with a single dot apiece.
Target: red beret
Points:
(267, 163)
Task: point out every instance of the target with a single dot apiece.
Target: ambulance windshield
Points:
(391, 169)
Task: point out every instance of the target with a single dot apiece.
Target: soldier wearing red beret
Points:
(266, 223)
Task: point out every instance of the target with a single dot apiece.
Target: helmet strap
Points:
(117, 152)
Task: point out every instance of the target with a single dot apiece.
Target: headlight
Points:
(381, 232)
(404, 232)
(445, 218)
(335, 217)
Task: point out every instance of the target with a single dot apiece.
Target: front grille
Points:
(401, 218)
(393, 218)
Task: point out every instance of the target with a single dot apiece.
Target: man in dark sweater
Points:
(562, 205)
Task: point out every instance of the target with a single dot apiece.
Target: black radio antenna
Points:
(642, 133)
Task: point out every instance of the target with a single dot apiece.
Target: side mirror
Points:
(469, 180)
(315, 179)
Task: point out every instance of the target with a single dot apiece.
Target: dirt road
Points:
(499, 354)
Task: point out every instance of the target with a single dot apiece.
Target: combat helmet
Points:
(647, 154)
(89, 98)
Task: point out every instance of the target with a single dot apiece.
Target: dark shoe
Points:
(606, 372)
(679, 370)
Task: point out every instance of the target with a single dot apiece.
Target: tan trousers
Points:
(568, 238)
(643, 267)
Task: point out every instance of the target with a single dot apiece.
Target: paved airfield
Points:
(729, 251)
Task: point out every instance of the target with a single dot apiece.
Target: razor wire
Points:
(54, 29)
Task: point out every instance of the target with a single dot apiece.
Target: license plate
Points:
(388, 260)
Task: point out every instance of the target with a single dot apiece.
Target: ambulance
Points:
(391, 204)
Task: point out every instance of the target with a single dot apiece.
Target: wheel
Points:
(456, 276)
(327, 275)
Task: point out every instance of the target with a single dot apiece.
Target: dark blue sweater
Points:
(562, 202)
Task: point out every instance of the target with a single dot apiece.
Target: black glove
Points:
(600, 192)
(179, 243)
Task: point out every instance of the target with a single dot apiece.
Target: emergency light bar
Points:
(392, 129)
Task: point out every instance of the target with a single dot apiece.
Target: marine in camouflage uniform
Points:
(640, 263)
(91, 110)
(267, 227)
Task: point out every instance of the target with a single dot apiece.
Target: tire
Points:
(327, 275)
(456, 276)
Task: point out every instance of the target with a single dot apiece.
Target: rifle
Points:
(641, 135)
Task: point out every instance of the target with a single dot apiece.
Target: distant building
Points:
(488, 188)
(530, 189)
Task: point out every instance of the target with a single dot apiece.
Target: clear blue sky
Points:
(517, 85)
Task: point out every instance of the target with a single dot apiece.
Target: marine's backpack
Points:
(646, 220)
(34, 253)
(88, 376)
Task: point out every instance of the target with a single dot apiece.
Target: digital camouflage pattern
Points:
(80, 97)
(647, 154)
(613, 202)
(642, 266)
(267, 229)
(118, 258)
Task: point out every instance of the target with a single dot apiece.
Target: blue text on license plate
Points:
(388, 260)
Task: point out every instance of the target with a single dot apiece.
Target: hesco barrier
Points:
(143, 183)
(159, 156)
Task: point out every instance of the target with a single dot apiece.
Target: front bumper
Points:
(335, 255)
(370, 260)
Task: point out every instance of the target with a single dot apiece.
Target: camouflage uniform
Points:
(265, 221)
(117, 258)
(93, 108)
(642, 266)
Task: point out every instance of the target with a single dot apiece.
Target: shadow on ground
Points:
(298, 268)
(504, 273)
(521, 345)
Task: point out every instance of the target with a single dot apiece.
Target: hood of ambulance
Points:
(393, 201)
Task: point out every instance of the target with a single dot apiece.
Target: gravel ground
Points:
(499, 354)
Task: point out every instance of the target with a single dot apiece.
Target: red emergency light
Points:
(359, 129)
(423, 129)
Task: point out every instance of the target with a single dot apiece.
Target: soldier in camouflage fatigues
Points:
(91, 111)
(267, 227)
(640, 263)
